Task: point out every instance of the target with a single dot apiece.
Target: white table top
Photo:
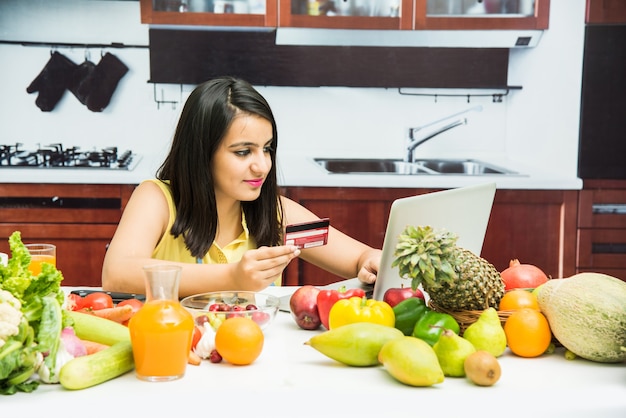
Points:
(292, 379)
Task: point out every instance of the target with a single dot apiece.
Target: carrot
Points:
(93, 347)
(118, 313)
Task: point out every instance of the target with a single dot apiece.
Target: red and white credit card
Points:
(307, 234)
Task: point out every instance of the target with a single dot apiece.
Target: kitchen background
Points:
(545, 216)
(536, 126)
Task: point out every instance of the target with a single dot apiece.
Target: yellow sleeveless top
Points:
(174, 249)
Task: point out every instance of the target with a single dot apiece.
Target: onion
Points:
(72, 343)
(522, 276)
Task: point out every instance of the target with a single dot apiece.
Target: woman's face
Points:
(243, 160)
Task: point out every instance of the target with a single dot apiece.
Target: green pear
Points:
(487, 333)
(411, 361)
(355, 344)
(451, 351)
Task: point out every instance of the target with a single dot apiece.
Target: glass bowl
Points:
(215, 307)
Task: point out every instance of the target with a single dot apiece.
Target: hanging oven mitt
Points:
(52, 81)
(103, 82)
(80, 84)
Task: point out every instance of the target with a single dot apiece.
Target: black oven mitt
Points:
(80, 83)
(52, 81)
(100, 87)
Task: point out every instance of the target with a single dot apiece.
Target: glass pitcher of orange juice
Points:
(41, 253)
(161, 330)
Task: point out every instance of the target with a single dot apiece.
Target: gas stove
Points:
(58, 156)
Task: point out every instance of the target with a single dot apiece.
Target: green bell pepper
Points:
(408, 312)
(432, 323)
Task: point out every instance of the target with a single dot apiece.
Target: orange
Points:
(517, 299)
(527, 332)
(239, 340)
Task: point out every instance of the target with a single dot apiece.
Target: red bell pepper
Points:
(326, 298)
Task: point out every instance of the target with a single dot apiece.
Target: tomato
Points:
(74, 302)
(98, 300)
(135, 303)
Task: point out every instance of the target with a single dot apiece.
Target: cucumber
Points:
(100, 330)
(86, 371)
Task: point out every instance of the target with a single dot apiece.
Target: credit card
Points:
(307, 234)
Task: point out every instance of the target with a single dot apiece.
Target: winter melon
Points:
(587, 314)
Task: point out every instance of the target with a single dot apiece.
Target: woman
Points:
(215, 208)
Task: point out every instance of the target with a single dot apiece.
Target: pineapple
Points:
(454, 278)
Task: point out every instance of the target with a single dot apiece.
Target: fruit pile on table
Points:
(520, 309)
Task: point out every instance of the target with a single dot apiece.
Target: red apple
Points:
(303, 305)
(396, 295)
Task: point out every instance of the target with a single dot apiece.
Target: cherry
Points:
(214, 357)
(200, 320)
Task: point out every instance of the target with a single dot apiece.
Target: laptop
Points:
(463, 211)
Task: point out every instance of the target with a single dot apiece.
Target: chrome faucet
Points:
(415, 140)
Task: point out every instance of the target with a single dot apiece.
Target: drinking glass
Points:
(41, 253)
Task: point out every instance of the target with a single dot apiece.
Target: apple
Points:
(395, 295)
(303, 306)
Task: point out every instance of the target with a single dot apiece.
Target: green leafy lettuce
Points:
(39, 331)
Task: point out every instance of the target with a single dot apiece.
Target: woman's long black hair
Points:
(205, 118)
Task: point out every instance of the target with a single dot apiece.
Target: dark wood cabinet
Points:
(80, 219)
(606, 12)
(602, 228)
(534, 226)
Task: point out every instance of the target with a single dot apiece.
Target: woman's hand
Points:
(259, 268)
(369, 267)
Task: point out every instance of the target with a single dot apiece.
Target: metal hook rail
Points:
(118, 45)
(496, 97)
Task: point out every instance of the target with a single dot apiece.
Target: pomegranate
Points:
(522, 276)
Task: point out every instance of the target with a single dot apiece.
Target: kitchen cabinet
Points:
(414, 14)
(345, 14)
(496, 14)
(602, 228)
(606, 12)
(237, 13)
(80, 219)
(534, 226)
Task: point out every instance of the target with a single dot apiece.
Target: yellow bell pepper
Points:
(360, 309)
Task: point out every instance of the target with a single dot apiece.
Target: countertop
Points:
(292, 379)
(301, 170)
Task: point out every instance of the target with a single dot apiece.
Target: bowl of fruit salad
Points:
(216, 307)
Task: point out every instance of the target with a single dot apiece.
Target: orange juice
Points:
(41, 253)
(36, 260)
(161, 333)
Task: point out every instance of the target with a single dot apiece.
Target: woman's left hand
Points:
(369, 269)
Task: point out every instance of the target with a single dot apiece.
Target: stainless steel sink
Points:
(368, 166)
(468, 167)
(420, 167)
